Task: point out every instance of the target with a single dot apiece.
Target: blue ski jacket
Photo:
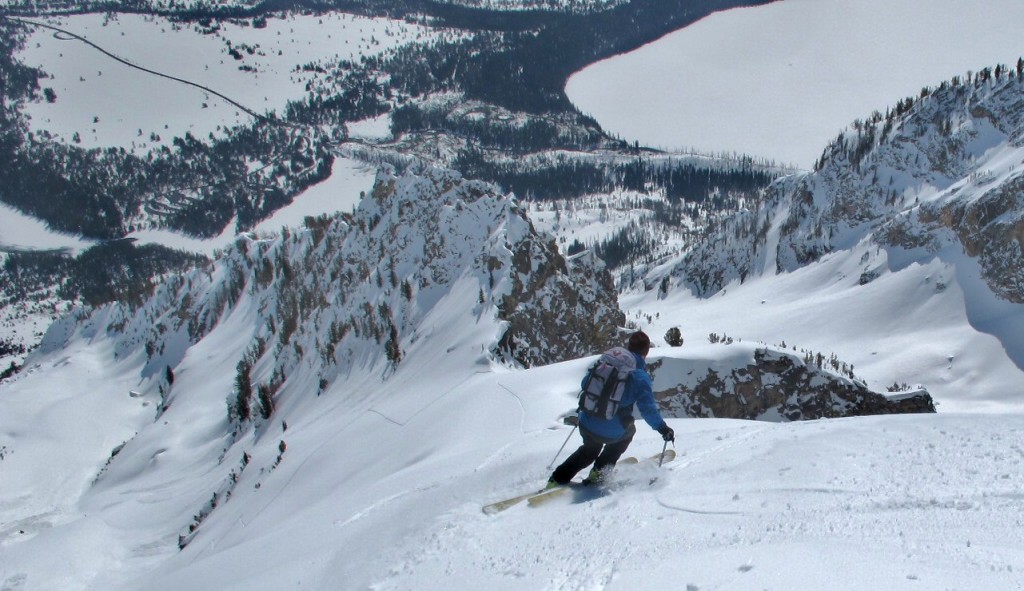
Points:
(639, 392)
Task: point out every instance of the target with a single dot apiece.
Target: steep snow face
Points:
(148, 422)
(325, 338)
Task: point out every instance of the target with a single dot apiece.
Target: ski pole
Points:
(661, 460)
(563, 446)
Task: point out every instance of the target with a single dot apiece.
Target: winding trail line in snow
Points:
(77, 37)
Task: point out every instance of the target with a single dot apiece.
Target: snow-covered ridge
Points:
(351, 293)
(951, 159)
(901, 252)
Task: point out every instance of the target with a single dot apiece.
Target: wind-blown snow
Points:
(780, 80)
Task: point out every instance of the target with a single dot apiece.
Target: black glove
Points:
(667, 433)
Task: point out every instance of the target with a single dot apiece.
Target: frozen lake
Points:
(780, 81)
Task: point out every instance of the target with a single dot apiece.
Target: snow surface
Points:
(22, 232)
(922, 323)
(380, 481)
(110, 104)
(781, 80)
(381, 484)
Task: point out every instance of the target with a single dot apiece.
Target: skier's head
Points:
(639, 343)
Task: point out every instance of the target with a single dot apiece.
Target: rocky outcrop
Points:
(770, 385)
(991, 227)
(558, 309)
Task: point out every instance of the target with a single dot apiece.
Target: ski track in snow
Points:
(721, 503)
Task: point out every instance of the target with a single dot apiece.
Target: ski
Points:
(544, 496)
(499, 506)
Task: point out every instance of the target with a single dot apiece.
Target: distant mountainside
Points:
(944, 167)
(354, 293)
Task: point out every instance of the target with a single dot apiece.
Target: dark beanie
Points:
(639, 342)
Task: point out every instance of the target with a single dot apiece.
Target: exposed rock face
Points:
(773, 386)
(991, 227)
(558, 309)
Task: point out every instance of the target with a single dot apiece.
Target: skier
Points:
(605, 440)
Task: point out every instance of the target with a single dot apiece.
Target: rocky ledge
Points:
(769, 385)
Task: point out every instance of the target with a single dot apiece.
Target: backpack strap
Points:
(606, 392)
(586, 384)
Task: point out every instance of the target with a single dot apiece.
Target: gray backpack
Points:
(606, 383)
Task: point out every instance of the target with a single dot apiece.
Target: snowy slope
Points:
(898, 329)
(372, 475)
(380, 486)
(901, 254)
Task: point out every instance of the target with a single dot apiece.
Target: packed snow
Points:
(780, 81)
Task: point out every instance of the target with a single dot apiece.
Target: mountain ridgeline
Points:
(353, 293)
(941, 169)
(348, 292)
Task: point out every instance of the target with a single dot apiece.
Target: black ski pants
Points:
(595, 450)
